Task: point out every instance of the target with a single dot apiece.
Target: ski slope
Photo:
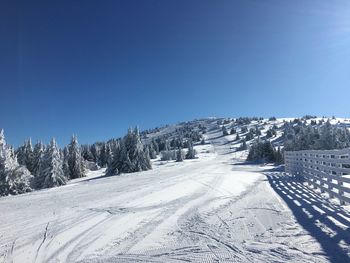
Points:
(212, 209)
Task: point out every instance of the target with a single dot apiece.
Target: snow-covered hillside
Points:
(215, 208)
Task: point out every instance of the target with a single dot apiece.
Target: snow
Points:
(211, 209)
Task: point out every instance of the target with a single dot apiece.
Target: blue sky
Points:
(94, 68)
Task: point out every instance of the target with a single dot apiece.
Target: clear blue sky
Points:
(94, 68)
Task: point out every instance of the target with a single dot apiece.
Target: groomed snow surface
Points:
(212, 209)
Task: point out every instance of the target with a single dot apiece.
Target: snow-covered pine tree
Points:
(147, 158)
(20, 154)
(116, 161)
(123, 160)
(103, 155)
(279, 156)
(224, 131)
(29, 155)
(14, 178)
(257, 131)
(191, 152)
(25, 155)
(109, 154)
(52, 173)
(237, 137)
(86, 153)
(243, 145)
(135, 150)
(130, 156)
(65, 165)
(152, 151)
(95, 152)
(75, 160)
(155, 146)
(38, 154)
(179, 155)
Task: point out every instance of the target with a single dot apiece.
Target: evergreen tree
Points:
(86, 153)
(52, 173)
(65, 165)
(269, 133)
(233, 131)
(249, 136)
(155, 146)
(152, 151)
(224, 131)
(38, 154)
(131, 157)
(14, 178)
(29, 156)
(109, 154)
(103, 155)
(115, 163)
(179, 155)
(237, 137)
(75, 161)
(25, 155)
(191, 153)
(279, 156)
(244, 129)
(257, 131)
(95, 152)
(262, 151)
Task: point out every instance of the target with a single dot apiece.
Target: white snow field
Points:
(211, 209)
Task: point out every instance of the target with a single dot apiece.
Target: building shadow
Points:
(316, 215)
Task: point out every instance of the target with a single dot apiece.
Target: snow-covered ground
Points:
(212, 209)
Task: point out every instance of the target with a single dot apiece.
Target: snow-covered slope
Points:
(214, 208)
(211, 209)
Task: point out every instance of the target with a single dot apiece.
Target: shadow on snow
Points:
(315, 214)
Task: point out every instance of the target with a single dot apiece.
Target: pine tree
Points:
(155, 146)
(25, 155)
(75, 161)
(224, 131)
(279, 156)
(237, 137)
(103, 155)
(86, 153)
(95, 152)
(179, 155)
(115, 163)
(65, 165)
(191, 153)
(109, 154)
(14, 178)
(131, 155)
(21, 155)
(243, 146)
(138, 156)
(52, 174)
(38, 154)
(152, 151)
(257, 131)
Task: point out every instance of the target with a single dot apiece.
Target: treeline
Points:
(324, 136)
(263, 151)
(43, 166)
(38, 167)
(299, 135)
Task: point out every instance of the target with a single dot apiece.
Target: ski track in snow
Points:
(204, 210)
